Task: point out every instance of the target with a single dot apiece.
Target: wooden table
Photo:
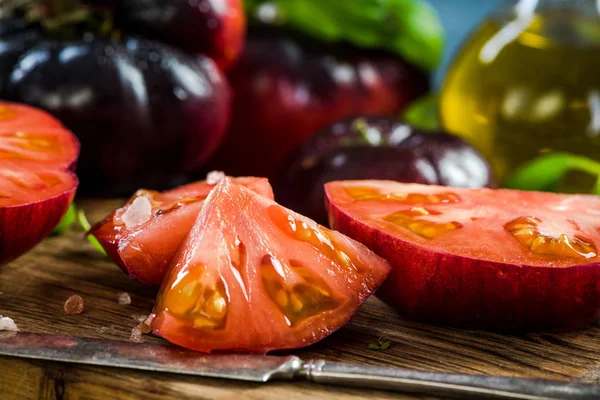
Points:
(33, 290)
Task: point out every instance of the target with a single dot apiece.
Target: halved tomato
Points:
(143, 235)
(36, 181)
(32, 145)
(253, 276)
(482, 258)
(18, 116)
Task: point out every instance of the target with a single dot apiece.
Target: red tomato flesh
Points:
(37, 185)
(31, 146)
(143, 235)
(483, 258)
(253, 276)
(19, 116)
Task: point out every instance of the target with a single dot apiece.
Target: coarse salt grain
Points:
(123, 298)
(139, 317)
(138, 212)
(136, 335)
(74, 305)
(213, 177)
(7, 324)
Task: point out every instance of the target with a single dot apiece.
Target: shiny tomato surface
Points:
(143, 235)
(253, 276)
(483, 258)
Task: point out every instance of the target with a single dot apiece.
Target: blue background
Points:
(459, 17)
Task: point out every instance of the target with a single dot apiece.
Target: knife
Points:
(264, 368)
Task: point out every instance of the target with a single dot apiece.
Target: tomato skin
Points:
(36, 189)
(341, 152)
(224, 256)
(450, 289)
(146, 114)
(216, 28)
(24, 226)
(287, 87)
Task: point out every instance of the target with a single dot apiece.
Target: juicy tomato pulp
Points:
(478, 257)
(254, 276)
(37, 155)
(142, 237)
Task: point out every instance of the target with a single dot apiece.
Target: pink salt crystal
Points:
(74, 305)
(123, 298)
(213, 177)
(139, 317)
(136, 335)
(7, 324)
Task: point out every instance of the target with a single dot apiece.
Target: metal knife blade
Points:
(146, 356)
(264, 368)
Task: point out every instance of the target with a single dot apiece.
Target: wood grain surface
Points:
(33, 290)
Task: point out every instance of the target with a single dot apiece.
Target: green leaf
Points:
(85, 225)
(67, 221)
(382, 344)
(423, 113)
(410, 28)
(545, 172)
(385, 346)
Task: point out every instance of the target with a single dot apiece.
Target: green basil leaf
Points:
(423, 113)
(544, 172)
(67, 221)
(382, 344)
(85, 225)
(410, 28)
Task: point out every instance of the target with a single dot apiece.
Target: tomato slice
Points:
(499, 259)
(38, 146)
(32, 137)
(134, 235)
(37, 185)
(253, 276)
(18, 116)
(29, 184)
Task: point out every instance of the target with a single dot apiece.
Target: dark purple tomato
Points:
(15, 37)
(286, 87)
(216, 28)
(376, 148)
(146, 114)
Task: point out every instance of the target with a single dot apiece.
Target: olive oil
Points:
(522, 87)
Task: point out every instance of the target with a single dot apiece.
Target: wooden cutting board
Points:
(33, 290)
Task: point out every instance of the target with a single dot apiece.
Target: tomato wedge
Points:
(253, 276)
(482, 258)
(37, 156)
(143, 235)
